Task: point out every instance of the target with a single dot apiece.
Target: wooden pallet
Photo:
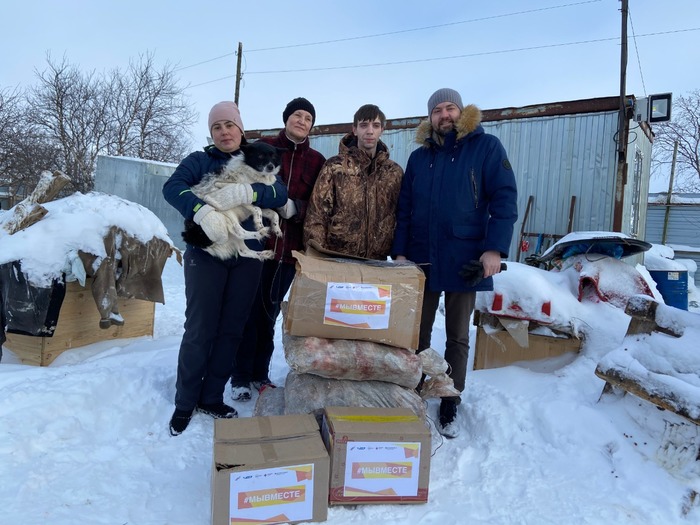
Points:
(78, 325)
(643, 311)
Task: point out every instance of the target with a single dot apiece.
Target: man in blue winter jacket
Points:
(457, 205)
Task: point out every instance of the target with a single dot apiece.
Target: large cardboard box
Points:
(271, 469)
(378, 455)
(378, 301)
(496, 348)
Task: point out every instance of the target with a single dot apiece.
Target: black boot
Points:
(447, 424)
(179, 421)
(218, 410)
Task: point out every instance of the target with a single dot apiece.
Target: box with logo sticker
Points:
(378, 455)
(340, 298)
(269, 470)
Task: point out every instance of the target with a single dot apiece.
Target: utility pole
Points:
(622, 128)
(238, 72)
(670, 192)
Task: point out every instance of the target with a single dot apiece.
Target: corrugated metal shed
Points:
(683, 230)
(558, 151)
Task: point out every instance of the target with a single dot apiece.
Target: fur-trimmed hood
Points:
(468, 121)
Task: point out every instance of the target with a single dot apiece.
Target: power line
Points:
(636, 49)
(348, 39)
(472, 20)
(435, 59)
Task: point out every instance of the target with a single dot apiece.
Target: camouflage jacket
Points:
(353, 206)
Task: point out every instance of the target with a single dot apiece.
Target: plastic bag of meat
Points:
(352, 359)
(309, 394)
(433, 363)
(440, 385)
(270, 402)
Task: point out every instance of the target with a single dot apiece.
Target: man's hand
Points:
(287, 211)
(213, 223)
(475, 271)
(491, 261)
(230, 195)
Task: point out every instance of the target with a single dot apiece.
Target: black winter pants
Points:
(219, 296)
(258, 344)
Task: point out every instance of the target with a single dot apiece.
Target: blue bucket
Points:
(673, 286)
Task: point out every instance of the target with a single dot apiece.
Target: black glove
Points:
(473, 272)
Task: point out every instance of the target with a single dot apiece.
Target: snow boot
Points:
(179, 421)
(218, 410)
(262, 385)
(241, 392)
(447, 423)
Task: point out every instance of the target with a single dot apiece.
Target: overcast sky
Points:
(509, 53)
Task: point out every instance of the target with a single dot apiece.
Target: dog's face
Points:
(262, 157)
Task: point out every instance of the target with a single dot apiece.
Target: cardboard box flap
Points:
(267, 428)
(355, 269)
(374, 420)
(270, 453)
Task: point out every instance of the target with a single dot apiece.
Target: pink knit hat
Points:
(225, 111)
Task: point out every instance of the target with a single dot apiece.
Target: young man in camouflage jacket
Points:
(352, 209)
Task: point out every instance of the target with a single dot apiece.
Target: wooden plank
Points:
(29, 210)
(649, 392)
(78, 325)
(643, 311)
(500, 349)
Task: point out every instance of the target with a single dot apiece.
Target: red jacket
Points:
(300, 167)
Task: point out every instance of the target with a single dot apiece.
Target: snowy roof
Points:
(79, 222)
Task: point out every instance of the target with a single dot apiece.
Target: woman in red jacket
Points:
(301, 165)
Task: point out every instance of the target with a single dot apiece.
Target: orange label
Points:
(267, 497)
(363, 470)
(364, 307)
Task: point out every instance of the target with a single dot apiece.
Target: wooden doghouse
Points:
(78, 325)
(40, 322)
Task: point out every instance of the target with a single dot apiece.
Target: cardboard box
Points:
(270, 469)
(378, 455)
(496, 349)
(79, 325)
(376, 301)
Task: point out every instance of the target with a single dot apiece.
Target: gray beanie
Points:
(444, 95)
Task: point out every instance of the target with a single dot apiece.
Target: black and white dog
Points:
(260, 162)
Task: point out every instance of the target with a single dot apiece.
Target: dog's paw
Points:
(263, 233)
(277, 231)
(266, 254)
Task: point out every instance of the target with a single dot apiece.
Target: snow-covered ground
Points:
(85, 440)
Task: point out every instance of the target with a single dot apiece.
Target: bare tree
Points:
(69, 108)
(9, 119)
(684, 128)
(24, 151)
(150, 115)
(70, 117)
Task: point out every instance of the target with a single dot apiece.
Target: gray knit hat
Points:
(444, 95)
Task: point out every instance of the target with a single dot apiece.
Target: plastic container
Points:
(673, 286)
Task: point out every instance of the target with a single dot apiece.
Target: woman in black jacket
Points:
(219, 293)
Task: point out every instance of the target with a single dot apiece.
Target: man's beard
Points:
(443, 128)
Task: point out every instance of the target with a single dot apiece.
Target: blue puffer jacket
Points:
(177, 189)
(457, 201)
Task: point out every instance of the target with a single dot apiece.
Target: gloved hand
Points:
(288, 210)
(213, 223)
(473, 272)
(230, 195)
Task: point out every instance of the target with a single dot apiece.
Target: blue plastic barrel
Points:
(673, 286)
